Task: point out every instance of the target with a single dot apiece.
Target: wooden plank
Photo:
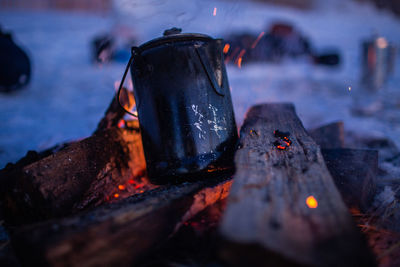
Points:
(271, 216)
(119, 234)
(354, 172)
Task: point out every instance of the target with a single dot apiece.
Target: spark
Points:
(226, 48)
(349, 88)
(215, 11)
(257, 40)
(239, 62)
(311, 202)
(240, 58)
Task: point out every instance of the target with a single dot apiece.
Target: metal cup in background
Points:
(378, 60)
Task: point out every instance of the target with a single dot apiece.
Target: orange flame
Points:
(257, 40)
(311, 202)
(116, 195)
(226, 48)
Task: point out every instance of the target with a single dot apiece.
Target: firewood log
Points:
(118, 234)
(354, 172)
(283, 207)
(329, 135)
(53, 185)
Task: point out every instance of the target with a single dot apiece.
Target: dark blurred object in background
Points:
(281, 41)
(15, 66)
(393, 5)
(111, 47)
(378, 61)
(329, 58)
(103, 46)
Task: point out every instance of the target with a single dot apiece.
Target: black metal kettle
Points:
(184, 106)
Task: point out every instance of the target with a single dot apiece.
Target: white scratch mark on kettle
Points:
(199, 122)
(216, 127)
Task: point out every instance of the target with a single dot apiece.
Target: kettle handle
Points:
(133, 52)
(207, 68)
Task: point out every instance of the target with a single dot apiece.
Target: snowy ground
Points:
(68, 94)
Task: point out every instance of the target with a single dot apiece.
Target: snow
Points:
(68, 94)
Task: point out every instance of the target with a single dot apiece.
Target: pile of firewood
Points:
(88, 203)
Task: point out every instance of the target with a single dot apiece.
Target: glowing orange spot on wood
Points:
(131, 181)
(311, 202)
(116, 195)
(121, 187)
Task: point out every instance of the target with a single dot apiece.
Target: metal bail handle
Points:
(133, 52)
(207, 68)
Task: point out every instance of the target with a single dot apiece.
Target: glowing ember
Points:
(284, 142)
(121, 124)
(215, 11)
(116, 195)
(131, 181)
(257, 40)
(226, 48)
(311, 202)
(121, 187)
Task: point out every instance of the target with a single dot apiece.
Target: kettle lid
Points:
(174, 35)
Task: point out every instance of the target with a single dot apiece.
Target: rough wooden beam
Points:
(119, 234)
(271, 215)
(354, 172)
(329, 136)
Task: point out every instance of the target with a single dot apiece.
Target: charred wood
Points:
(55, 184)
(329, 136)
(354, 172)
(284, 208)
(118, 234)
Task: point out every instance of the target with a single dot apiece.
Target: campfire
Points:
(137, 194)
(90, 203)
